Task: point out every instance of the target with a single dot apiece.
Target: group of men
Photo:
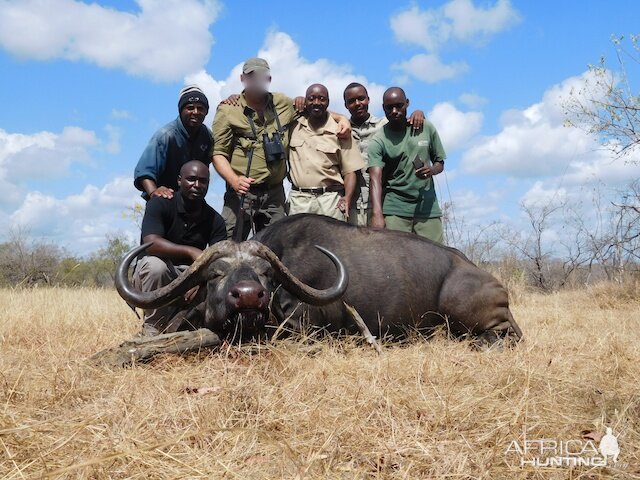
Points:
(365, 170)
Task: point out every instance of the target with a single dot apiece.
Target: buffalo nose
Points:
(248, 295)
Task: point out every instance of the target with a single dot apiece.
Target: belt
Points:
(319, 190)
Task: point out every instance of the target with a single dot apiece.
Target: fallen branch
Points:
(364, 330)
(140, 350)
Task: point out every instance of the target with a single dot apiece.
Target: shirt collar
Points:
(179, 202)
(245, 106)
(330, 126)
(181, 129)
(372, 120)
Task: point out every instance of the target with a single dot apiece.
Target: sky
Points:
(83, 87)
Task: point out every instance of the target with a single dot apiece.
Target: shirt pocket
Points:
(296, 141)
(328, 150)
(423, 150)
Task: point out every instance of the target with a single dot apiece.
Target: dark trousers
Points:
(263, 205)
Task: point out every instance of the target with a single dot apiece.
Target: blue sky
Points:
(84, 86)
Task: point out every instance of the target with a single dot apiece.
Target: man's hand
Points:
(377, 221)
(233, 99)
(241, 184)
(416, 120)
(430, 170)
(299, 103)
(191, 293)
(343, 206)
(344, 128)
(164, 192)
(193, 252)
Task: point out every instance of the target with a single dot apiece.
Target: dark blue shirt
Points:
(169, 149)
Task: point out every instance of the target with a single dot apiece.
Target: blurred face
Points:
(192, 115)
(395, 104)
(357, 102)
(256, 83)
(194, 181)
(317, 101)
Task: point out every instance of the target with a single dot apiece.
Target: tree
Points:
(28, 263)
(605, 105)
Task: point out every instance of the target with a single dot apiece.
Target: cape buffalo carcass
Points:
(237, 281)
(398, 282)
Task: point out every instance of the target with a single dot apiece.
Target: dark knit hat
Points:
(192, 94)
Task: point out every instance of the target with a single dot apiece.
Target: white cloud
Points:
(534, 143)
(425, 28)
(472, 100)
(470, 23)
(456, 20)
(474, 207)
(455, 128)
(79, 222)
(43, 155)
(429, 68)
(291, 74)
(430, 29)
(141, 43)
(544, 194)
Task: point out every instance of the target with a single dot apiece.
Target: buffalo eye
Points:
(215, 274)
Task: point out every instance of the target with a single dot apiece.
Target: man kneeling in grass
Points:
(180, 228)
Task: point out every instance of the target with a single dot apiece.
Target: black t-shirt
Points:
(167, 218)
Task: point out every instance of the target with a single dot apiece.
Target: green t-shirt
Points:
(406, 195)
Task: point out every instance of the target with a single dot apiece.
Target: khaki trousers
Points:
(430, 228)
(322, 204)
(150, 274)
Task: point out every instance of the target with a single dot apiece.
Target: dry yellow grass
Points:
(331, 409)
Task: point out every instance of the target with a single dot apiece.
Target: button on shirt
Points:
(168, 218)
(318, 158)
(168, 150)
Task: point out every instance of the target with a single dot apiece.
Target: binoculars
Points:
(273, 147)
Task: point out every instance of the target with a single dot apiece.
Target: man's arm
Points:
(164, 248)
(222, 151)
(153, 190)
(416, 120)
(344, 125)
(375, 197)
(239, 183)
(436, 156)
(430, 170)
(350, 182)
(151, 164)
(154, 228)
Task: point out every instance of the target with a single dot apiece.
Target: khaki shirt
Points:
(364, 133)
(232, 136)
(318, 158)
